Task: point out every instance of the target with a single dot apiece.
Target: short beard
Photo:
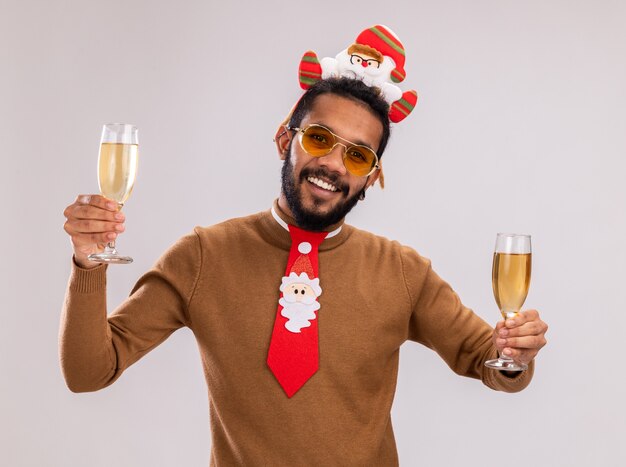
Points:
(309, 220)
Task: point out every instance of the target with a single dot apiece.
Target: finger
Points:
(89, 232)
(98, 201)
(526, 316)
(531, 328)
(526, 342)
(521, 318)
(89, 240)
(90, 200)
(94, 212)
(499, 332)
(520, 356)
(88, 226)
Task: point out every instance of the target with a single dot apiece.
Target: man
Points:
(300, 360)
(376, 295)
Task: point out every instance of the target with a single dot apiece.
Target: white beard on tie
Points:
(298, 313)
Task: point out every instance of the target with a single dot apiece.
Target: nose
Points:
(333, 161)
(364, 63)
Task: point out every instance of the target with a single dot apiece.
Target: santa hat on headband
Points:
(387, 43)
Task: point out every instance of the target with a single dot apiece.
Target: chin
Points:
(322, 205)
(312, 212)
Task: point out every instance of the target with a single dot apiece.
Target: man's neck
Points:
(284, 205)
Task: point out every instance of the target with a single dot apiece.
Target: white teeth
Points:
(322, 184)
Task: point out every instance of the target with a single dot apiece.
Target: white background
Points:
(520, 126)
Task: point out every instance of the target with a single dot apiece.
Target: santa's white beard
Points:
(299, 314)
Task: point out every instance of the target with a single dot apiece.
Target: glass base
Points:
(112, 258)
(505, 364)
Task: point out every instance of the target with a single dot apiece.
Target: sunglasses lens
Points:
(317, 141)
(359, 160)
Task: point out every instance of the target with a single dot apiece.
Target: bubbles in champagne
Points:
(117, 169)
(510, 281)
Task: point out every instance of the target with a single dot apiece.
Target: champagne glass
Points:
(117, 169)
(510, 279)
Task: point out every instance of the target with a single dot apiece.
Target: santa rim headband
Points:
(377, 58)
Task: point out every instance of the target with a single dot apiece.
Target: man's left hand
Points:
(521, 337)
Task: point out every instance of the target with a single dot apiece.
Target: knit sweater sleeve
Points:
(441, 322)
(95, 348)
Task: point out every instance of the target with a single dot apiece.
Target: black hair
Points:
(352, 89)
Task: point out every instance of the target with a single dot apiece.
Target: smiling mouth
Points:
(322, 184)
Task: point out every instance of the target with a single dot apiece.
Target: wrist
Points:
(84, 263)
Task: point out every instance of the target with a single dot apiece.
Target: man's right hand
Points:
(92, 222)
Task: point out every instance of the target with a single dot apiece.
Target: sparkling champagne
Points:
(117, 169)
(510, 280)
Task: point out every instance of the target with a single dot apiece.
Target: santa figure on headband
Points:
(377, 58)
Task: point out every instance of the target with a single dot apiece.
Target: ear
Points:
(372, 178)
(282, 138)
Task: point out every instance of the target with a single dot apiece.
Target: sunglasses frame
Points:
(301, 132)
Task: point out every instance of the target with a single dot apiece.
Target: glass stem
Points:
(110, 248)
(504, 358)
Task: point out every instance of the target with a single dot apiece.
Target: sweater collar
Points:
(285, 225)
(275, 221)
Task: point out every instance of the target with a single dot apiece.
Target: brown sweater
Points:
(223, 283)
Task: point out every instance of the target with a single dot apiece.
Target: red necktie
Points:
(293, 355)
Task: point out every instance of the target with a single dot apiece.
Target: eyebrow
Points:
(357, 142)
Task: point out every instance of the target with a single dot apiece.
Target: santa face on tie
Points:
(299, 300)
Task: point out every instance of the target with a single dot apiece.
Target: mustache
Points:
(305, 300)
(324, 174)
